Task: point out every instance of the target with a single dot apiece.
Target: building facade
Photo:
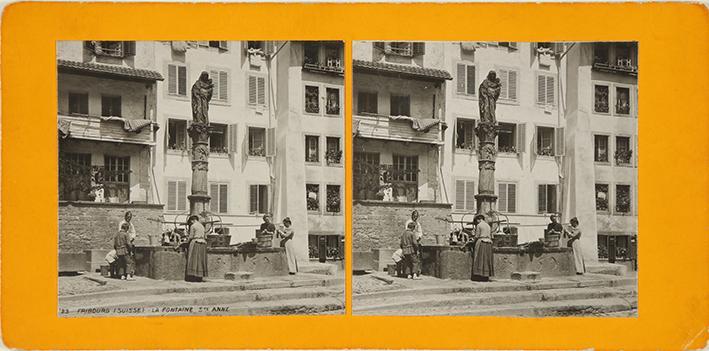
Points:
(543, 165)
(276, 141)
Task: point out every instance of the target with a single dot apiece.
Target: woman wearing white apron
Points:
(574, 234)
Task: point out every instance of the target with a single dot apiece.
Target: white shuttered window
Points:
(546, 89)
(177, 195)
(508, 78)
(464, 194)
(257, 91)
(220, 79)
(507, 197)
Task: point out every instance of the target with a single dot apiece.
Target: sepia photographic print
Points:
(200, 178)
(495, 178)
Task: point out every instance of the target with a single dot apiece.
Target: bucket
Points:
(105, 270)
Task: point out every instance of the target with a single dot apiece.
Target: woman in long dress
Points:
(286, 234)
(574, 234)
(481, 250)
(196, 268)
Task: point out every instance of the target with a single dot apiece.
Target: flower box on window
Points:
(623, 157)
(333, 157)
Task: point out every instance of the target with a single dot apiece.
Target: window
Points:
(464, 194)
(334, 199)
(333, 154)
(312, 197)
(547, 198)
(545, 141)
(399, 105)
(465, 134)
(219, 193)
(78, 103)
(400, 48)
(116, 178)
(366, 177)
(507, 138)
(177, 80)
(600, 53)
(507, 197)
(623, 55)
(312, 99)
(404, 178)
(602, 197)
(224, 45)
(257, 91)
(257, 141)
(177, 134)
(546, 89)
(112, 48)
(406, 168)
(323, 57)
(465, 79)
(366, 102)
(601, 98)
(508, 78)
(600, 149)
(218, 142)
(110, 105)
(623, 153)
(312, 148)
(75, 174)
(255, 45)
(220, 79)
(177, 195)
(332, 104)
(622, 199)
(622, 101)
(258, 196)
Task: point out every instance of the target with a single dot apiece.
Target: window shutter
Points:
(223, 86)
(504, 76)
(502, 197)
(262, 91)
(223, 198)
(512, 85)
(253, 198)
(128, 48)
(214, 194)
(635, 151)
(171, 196)
(520, 132)
(171, 79)
(181, 80)
(469, 195)
(268, 47)
(542, 199)
(470, 79)
(460, 78)
(511, 198)
(553, 194)
(253, 90)
(460, 194)
(535, 140)
(559, 146)
(541, 89)
(232, 131)
(270, 142)
(166, 139)
(419, 48)
(550, 92)
(181, 195)
(214, 75)
(379, 45)
(189, 139)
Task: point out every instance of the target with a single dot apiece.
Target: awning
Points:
(130, 125)
(400, 70)
(101, 70)
(421, 124)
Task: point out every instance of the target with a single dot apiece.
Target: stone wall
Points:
(91, 225)
(379, 224)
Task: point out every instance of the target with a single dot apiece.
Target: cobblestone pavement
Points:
(362, 284)
(73, 285)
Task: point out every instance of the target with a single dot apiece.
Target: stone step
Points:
(317, 268)
(481, 299)
(584, 307)
(500, 286)
(607, 268)
(207, 287)
(201, 299)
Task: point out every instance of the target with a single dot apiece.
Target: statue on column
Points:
(488, 93)
(201, 95)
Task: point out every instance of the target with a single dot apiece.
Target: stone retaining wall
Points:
(92, 225)
(379, 224)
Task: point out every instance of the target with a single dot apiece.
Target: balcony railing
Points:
(384, 182)
(122, 130)
(395, 128)
(333, 66)
(92, 183)
(621, 65)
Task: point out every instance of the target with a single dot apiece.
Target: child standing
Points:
(121, 243)
(409, 247)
